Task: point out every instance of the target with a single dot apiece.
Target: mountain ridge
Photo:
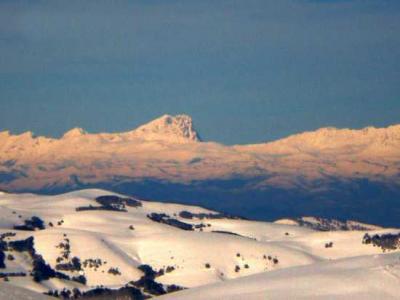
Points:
(179, 128)
(327, 168)
(183, 128)
(170, 148)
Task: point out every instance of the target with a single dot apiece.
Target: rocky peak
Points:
(75, 132)
(169, 128)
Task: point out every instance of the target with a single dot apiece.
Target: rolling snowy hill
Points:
(367, 277)
(101, 243)
(328, 172)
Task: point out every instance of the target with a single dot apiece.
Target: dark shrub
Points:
(76, 293)
(114, 271)
(188, 215)
(387, 241)
(174, 288)
(169, 269)
(76, 262)
(31, 224)
(109, 208)
(147, 281)
(2, 259)
(112, 201)
(22, 245)
(150, 286)
(52, 293)
(93, 263)
(74, 265)
(132, 202)
(12, 274)
(200, 226)
(148, 271)
(81, 279)
(65, 294)
(41, 270)
(165, 219)
(125, 293)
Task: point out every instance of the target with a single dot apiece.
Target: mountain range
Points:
(330, 172)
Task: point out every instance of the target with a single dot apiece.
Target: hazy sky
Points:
(246, 71)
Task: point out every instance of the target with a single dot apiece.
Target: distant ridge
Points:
(169, 147)
(329, 170)
(179, 128)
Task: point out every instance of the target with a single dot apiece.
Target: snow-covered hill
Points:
(368, 277)
(339, 168)
(91, 238)
(322, 224)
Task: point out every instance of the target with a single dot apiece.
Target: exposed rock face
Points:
(172, 129)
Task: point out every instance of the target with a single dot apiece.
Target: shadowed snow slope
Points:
(94, 237)
(11, 292)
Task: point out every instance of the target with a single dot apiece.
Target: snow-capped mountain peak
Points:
(75, 132)
(177, 128)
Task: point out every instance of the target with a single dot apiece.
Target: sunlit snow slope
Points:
(83, 240)
(368, 277)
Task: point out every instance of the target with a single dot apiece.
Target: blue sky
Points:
(246, 71)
